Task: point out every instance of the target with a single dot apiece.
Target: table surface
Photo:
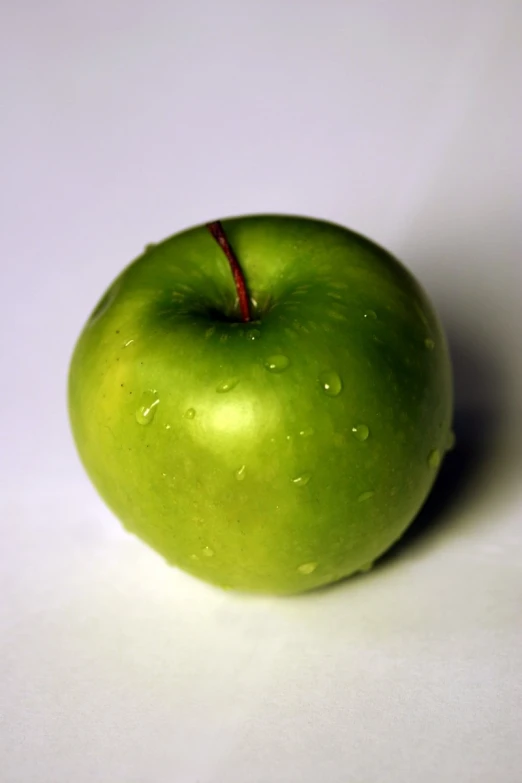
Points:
(126, 121)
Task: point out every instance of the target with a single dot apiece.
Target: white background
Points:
(125, 121)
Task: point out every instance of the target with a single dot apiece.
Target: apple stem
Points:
(216, 229)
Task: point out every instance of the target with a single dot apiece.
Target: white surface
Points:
(125, 121)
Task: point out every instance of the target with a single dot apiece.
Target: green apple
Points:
(274, 454)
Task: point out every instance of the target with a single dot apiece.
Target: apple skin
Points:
(243, 471)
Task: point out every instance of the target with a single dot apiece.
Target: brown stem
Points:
(216, 229)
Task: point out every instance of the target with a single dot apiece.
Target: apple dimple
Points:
(105, 302)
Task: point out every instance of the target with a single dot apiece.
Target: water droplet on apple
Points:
(307, 568)
(207, 551)
(361, 432)
(167, 426)
(434, 458)
(253, 334)
(147, 409)
(307, 432)
(302, 480)
(129, 342)
(450, 443)
(228, 385)
(365, 496)
(371, 315)
(429, 343)
(240, 474)
(277, 363)
(331, 383)
(190, 413)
